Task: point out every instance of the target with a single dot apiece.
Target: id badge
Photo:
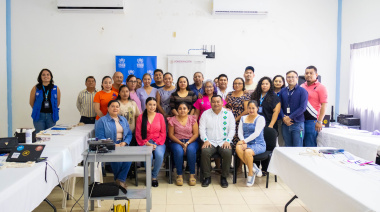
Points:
(288, 110)
(260, 109)
(46, 104)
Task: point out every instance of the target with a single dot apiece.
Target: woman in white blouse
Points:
(252, 141)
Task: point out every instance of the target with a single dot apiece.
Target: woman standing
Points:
(279, 83)
(237, 101)
(203, 104)
(128, 107)
(146, 91)
(104, 96)
(269, 105)
(182, 94)
(183, 134)
(45, 98)
(163, 95)
(251, 142)
(151, 131)
(115, 127)
(132, 84)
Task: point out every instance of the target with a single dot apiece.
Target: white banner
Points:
(186, 65)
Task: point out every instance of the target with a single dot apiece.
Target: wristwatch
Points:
(319, 122)
(187, 143)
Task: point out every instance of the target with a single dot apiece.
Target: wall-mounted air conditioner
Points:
(240, 7)
(91, 5)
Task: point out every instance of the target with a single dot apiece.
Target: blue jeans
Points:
(44, 122)
(293, 135)
(191, 153)
(158, 158)
(311, 134)
(120, 169)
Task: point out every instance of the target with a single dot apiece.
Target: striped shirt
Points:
(85, 103)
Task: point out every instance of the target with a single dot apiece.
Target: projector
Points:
(101, 146)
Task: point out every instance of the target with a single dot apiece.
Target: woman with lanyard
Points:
(279, 83)
(115, 127)
(182, 94)
(163, 95)
(269, 107)
(104, 96)
(204, 103)
(132, 85)
(45, 98)
(147, 91)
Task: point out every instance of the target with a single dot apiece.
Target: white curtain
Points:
(364, 100)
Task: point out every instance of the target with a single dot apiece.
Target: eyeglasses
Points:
(291, 77)
(132, 82)
(239, 83)
(209, 87)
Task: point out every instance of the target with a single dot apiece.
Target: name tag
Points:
(288, 110)
(260, 109)
(46, 104)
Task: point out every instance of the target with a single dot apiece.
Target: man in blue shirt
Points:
(293, 105)
(198, 82)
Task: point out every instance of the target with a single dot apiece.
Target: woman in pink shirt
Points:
(151, 131)
(204, 103)
(183, 134)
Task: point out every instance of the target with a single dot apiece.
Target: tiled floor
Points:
(169, 197)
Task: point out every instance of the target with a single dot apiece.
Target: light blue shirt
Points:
(105, 128)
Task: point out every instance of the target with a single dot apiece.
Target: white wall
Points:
(3, 73)
(295, 34)
(360, 22)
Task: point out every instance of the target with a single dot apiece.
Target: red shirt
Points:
(156, 130)
(317, 96)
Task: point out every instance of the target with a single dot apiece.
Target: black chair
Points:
(270, 137)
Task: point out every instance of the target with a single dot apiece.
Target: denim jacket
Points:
(105, 128)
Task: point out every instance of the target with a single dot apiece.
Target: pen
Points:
(362, 164)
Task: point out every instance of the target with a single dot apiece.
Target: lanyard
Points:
(290, 95)
(46, 93)
(262, 98)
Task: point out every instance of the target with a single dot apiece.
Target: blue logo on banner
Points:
(20, 148)
(136, 65)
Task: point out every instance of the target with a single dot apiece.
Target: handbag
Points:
(104, 189)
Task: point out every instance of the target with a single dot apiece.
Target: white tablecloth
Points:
(23, 189)
(357, 142)
(324, 185)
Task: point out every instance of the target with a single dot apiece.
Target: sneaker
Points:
(250, 180)
(258, 171)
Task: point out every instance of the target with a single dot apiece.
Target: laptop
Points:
(7, 144)
(25, 153)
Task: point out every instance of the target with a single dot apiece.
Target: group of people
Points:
(206, 116)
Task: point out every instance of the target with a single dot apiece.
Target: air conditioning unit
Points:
(240, 7)
(91, 5)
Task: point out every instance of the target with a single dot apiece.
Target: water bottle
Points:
(28, 136)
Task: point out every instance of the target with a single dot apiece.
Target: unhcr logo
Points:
(121, 63)
(140, 63)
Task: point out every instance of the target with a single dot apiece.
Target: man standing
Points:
(293, 105)
(158, 79)
(249, 74)
(217, 129)
(118, 78)
(198, 83)
(316, 106)
(223, 90)
(85, 102)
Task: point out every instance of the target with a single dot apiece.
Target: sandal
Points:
(179, 181)
(192, 181)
